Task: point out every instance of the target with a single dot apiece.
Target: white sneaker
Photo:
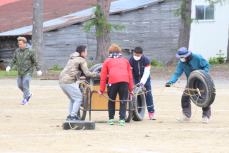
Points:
(205, 120)
(183, 118)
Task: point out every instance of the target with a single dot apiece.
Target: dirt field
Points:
(36, 128)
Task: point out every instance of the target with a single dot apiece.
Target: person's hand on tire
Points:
(168, 84)
(141, 85)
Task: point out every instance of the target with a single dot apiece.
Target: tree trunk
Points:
(103, 40)
(37, 32)
(185, 28)
(228, 47)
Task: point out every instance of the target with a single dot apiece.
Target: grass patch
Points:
(11, 74)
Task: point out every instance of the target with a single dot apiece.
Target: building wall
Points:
(208, 37)
(155, 28)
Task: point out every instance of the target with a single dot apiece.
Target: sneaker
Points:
(151, 115)
(183, 118)
(24, 102)
(205, 120)
(111, 122)
(122, 122)
(29, 97)
(74, 118)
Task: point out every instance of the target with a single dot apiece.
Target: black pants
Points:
(121, 89)
(186, 106)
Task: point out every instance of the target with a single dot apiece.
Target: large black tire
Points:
(139, 104)
(203, 82)
(96, 68)
(129, 114)
(86, 92)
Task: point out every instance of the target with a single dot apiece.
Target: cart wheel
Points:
(96, 68)
(86, 92)
(203, 82)
(129, 112)
(139, 104)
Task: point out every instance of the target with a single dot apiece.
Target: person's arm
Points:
(103, 77)
(204, 64)
(35, 61)
(14, 60)
(177, 74)
(131, 81)
(146, 74)
(86, 70)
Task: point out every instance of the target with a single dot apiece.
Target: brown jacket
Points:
(73, 70)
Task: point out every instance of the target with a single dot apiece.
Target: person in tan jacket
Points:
(74, 69)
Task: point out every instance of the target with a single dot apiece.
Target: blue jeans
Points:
(23, 83)
(75, 96)
(149, 96)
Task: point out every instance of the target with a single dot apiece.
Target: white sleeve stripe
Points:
(146, 75)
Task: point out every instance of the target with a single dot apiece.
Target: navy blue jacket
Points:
(138, 68)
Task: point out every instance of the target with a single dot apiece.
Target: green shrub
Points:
(4, 74)
(219, 59)
(213, 60)
(155, 63)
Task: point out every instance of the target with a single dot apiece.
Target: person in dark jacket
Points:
(141, 73)
(189, 62)
(120, 81)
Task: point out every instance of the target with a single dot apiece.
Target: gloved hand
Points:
(140, 85)
(39, 73)
(97, 75)
(168, 84)
(8, 68)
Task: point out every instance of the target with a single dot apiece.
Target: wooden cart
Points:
(92, 101)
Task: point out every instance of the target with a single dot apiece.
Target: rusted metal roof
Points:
(120, 6)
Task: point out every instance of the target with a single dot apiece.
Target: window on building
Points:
(205, 12)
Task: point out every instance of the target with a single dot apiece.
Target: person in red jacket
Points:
(117, 71)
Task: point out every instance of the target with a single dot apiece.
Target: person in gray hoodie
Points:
(76, 66)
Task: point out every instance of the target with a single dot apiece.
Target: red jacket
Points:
(116, 70)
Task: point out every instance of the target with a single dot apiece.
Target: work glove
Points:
(140, 85)
(168, 84)
(97, 75)
(8, 68)
(39, 73)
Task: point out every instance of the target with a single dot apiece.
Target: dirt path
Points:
(36, 128)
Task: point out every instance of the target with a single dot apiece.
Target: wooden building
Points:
(151, 24)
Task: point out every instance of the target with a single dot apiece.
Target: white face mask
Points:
(137, 58)
(182, 59)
